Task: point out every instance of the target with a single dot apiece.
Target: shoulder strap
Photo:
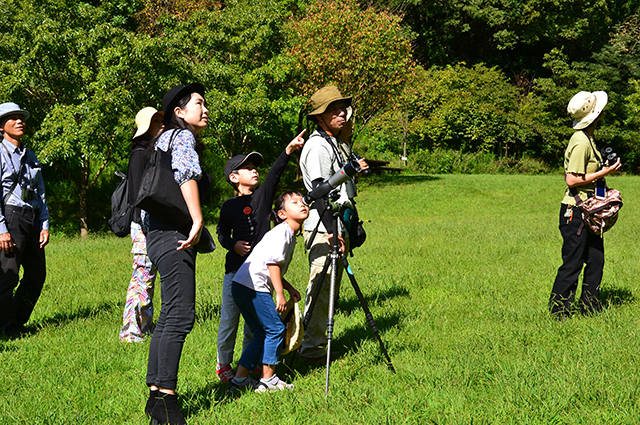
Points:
(173, 136)
(329, 140)
(574, 192)
(595, 151)
(13, 185)
(15, 182)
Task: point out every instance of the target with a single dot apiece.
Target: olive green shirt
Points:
(581, 157)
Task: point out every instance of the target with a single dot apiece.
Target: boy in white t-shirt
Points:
(253, 286)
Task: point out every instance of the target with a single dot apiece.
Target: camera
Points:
(355, 157)
(608, 155)
(28, 194)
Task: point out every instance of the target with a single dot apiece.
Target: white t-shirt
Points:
(319, 160)
(276, 247)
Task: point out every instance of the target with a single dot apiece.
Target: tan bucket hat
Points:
(294, 331)
(324, 97)
(143, 119)
(585, 107)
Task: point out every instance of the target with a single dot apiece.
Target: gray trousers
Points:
(314, 342)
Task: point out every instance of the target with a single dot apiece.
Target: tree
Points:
(363, 51)
(459, 108)
(235, 51)
(513, 35)
(615, 68)
(83, 72)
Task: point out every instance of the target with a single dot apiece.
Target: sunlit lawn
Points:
(457, 271)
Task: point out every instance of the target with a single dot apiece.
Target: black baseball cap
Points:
(238, 160)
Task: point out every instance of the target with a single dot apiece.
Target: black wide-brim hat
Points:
(173, 96)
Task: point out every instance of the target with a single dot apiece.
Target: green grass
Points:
(457, 271)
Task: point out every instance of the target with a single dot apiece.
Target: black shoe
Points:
(151, 401)
(167, 411)
(14, 331)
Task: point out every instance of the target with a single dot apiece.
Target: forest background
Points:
(452, 85)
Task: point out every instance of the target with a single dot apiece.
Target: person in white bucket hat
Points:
(584, 169)
(24, 224)
(586, 107)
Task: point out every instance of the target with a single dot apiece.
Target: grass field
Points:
(457, 271)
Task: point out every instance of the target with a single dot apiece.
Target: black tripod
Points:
(332, 260)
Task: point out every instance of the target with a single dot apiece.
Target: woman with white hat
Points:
(137, 319)
(584, 170)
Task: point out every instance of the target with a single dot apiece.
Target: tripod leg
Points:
(316, 292)
(330, 318)
(365, 308)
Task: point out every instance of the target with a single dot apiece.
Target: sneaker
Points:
(225, 373)
(247, 383)
(273, 384)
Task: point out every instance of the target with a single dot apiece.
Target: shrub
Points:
(447, 161)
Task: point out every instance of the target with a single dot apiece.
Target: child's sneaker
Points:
(225, 373)
(272, 384)
(246, 383)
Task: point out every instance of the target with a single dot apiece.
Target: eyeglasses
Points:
(337, 108)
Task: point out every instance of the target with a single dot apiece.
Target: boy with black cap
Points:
(244, 220)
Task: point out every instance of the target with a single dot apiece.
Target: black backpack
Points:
(121, 209)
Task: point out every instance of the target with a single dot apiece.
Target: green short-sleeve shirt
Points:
(581, 157)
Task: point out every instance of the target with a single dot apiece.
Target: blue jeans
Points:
(259, 312)
(178, 310)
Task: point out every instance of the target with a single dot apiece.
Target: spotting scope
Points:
(349, 170)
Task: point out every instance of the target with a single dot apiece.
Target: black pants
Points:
(587, 248)
(177, 271)
(24, 227)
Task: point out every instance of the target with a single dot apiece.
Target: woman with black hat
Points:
(583, 169)
(172, 251)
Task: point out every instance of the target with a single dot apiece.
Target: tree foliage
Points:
(83, 72)
(495, 77)
(364, 52)
(508, 33)
(234, 51)
(615, 69)
(460, 108)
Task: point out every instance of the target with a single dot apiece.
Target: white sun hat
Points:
(585, 107)
(143, 119)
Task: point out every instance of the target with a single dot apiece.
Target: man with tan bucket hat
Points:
(584, 170)
(320, 159)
